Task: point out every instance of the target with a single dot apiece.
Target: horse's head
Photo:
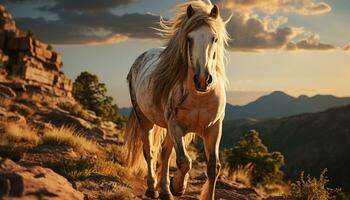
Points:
(202, 47)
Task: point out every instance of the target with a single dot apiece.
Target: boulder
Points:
(60, 118)
(20, 182)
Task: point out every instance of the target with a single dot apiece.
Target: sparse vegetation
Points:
(313, 189)
(109, 168)
(30, 33)
(73, 170)
(67, 136)
(266, 166)
(75, 109)
(91, 94)
(17, 133)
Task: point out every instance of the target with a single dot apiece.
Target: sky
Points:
(301, 47)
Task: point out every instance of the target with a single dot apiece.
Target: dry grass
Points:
(73, 170)
(5, 102)
(120, 193)
(67, 136)
(16, 133)
(243, 174)
(110, 168)
(75, 109)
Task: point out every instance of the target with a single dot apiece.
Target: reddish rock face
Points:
(18, 182)
(31, 59)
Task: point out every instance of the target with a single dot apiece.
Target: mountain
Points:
(125, 111)
(279, 104)
(309, 142)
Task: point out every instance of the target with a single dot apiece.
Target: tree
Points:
(250, 149)
(91, 94)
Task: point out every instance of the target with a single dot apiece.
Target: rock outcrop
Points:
(18, 182)
(29, 59)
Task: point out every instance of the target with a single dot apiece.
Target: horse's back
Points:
(141, 85)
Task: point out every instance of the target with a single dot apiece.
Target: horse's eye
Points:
(189, 40)
(215, 39)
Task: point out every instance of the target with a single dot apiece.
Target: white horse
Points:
(177, 90)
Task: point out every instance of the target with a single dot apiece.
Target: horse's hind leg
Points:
(150, 156)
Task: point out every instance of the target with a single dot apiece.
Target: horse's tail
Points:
(132, 141)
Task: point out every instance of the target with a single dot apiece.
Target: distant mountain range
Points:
(279, 104)
(309, 142)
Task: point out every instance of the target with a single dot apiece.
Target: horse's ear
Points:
(214, 13)
(190, 11)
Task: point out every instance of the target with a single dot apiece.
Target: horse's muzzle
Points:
(203, 83)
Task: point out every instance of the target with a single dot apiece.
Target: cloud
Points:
(303, 7)
(83, 22)
(249, 33)
(73, 5)
(84, 5)
(90, 28)
(310, 42)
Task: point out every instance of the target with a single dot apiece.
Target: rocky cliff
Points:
(34, 62)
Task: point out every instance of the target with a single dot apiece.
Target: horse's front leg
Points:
(212, 136)
(164, 181)
(178, 183)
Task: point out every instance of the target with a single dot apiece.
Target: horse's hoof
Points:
(166, 196)
(153, 194)
(173, 191)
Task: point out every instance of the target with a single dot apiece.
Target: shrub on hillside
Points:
(266, 165)
(91, 94)
(313, 188)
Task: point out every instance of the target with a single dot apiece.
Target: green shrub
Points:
(250, 150)
(313, 189)
(92, 95)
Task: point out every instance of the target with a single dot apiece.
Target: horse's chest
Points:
(196, 118)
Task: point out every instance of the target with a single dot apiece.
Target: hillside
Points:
(280, 104)
(309, 142)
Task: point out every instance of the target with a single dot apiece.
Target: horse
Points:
(175, 91)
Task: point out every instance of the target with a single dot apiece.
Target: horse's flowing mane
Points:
(172, 68)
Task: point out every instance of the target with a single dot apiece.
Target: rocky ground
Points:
(39, 162)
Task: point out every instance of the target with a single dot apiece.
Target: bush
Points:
(91, 94)
(266, 165)
(66, 136)
(313, 189)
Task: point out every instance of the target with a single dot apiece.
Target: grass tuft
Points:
(73, 170)
(16, 133)
(66, 136)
